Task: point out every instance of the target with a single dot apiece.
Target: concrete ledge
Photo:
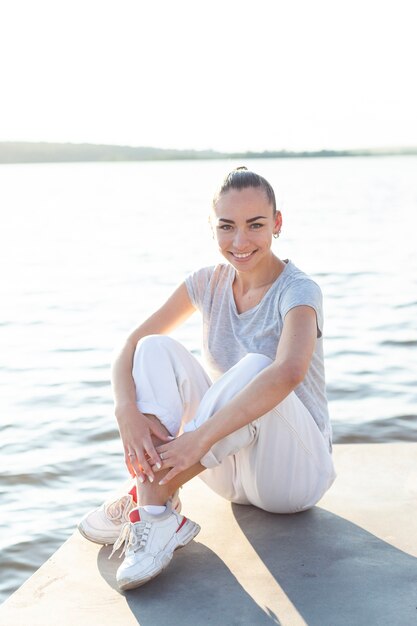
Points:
(351, 560)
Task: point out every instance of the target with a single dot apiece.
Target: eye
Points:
(256, 225)
(224, 227)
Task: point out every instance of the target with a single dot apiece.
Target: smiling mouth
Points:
(242, 256)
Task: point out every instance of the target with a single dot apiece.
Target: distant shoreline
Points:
(43, 152)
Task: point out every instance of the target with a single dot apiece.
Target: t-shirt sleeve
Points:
(197, 284)
(304, 292)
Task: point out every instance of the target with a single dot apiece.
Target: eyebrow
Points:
(252, 219)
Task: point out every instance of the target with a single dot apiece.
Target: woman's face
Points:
(243, 223)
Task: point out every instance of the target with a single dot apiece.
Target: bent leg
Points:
(221, 473)
(173, 385)
(169, 381)
(219, 394)
(280, 462)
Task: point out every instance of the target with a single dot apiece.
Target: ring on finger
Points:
(162, 456)
(131, 454)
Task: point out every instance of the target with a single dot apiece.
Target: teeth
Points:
(241, 256)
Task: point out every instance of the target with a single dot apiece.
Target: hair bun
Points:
(242, 167)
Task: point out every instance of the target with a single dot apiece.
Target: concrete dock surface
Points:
(349, 561)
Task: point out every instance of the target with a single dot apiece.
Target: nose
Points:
(240, 239)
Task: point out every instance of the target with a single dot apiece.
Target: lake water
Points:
(88, 250)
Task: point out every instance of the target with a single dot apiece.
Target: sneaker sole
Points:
(187, 534)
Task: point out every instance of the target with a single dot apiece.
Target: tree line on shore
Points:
(43, 152)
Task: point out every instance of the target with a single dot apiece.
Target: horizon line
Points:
(47, 151)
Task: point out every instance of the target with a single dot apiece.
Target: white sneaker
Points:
(103, 525)
(150, 542)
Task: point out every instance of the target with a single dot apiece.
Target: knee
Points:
(154, 342)
(255, 361)
(152, 349)
(247, 368)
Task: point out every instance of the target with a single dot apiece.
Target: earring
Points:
(276, 235)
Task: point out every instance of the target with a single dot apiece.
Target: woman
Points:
(259, 434)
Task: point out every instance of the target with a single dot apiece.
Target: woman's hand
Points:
(180, 454)
(136, 431)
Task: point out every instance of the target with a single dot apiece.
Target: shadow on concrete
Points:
(196, 589)
(334, 572)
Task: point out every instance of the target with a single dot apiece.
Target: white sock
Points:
(155, 509)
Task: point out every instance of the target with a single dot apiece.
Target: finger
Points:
(157, 468)
(138, 473)
(153, 456)
(134, 466)
(131, 470)
(167, 461)
(163, 452)
(164, 448)
(141, 477)
(129, 465)
(142, 466)
(162, 459)
(169, 476)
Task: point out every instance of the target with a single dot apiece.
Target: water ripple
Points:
(401, 428)
(405, 343)
(58, 440)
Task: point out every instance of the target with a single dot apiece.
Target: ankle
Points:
(152, 494)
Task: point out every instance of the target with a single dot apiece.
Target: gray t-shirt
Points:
(228, 335)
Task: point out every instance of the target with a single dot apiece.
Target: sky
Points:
(224, 74)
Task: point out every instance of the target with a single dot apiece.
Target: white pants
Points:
(280, 462)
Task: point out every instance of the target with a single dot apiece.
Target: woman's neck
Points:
(260, 278)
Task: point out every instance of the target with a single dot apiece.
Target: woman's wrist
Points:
(207, 435)
(123, 410)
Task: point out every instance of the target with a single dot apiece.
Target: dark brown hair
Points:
(242, 178)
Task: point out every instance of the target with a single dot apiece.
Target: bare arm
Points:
(135, 428)
(171, 314)
(263, 393)
(275, 382)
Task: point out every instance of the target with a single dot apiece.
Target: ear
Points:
(277, 223)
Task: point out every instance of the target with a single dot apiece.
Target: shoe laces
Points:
(118, 510)
(133, 536)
